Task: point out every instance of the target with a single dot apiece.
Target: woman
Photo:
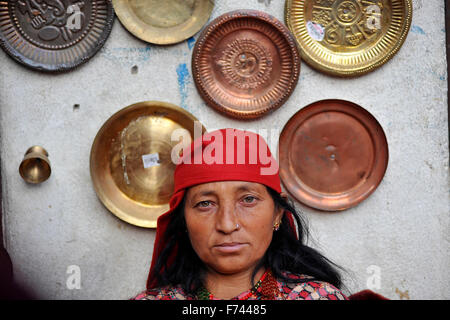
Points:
(231, 233)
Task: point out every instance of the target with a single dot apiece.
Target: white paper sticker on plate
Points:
(315, 30)
(150, 160)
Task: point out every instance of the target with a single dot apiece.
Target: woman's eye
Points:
(203, 204)
(249, 199)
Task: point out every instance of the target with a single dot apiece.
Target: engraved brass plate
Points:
(348, 37)
(163, 21)
(54, 36)
(131, 160)
(245, 64)
(333, 155)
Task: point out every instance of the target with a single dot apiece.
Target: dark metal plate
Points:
(333, 155)
(54, 35)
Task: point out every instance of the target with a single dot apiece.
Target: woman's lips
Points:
(229, 247)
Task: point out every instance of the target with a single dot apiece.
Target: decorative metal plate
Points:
(333, 155)
(245, 63)
(348, 37)
(54, 35)
(163, 22)
(131, 160)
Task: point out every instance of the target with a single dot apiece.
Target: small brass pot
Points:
(35, 166)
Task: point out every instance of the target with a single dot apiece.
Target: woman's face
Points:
(230, 224)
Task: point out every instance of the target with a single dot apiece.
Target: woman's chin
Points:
(231, 265)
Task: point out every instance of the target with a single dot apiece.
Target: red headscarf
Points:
(222, 155)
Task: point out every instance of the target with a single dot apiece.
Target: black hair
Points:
(287, 252)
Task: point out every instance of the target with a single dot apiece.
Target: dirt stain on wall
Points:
(402, 294)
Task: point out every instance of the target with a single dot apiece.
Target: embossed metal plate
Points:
(245, 63)
(163, 22)
(54, 35)
(348, 37)
(333, 155)
(131, 159)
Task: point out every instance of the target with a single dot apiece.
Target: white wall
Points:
(403, 228)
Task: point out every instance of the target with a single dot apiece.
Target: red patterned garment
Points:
(302, 289)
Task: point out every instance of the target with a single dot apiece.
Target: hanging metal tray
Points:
(245, 64)
(333, 155)
(348, 37)
(54, 36)
(131, 160)
(163, 22)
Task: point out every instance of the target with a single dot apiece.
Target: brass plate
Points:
(333, 155)
(131, 165)
(163, 22)
(54, 36)
(245, 63)
(348, 37)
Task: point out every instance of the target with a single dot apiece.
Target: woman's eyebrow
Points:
(246, 189)
(195, 197)
(205, 193)
(243, 188)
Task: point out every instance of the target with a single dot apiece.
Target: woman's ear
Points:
(280, 211)
(279, 215)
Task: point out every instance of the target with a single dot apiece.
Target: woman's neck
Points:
(227, 286)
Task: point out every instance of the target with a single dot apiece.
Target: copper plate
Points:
(245, 64)
(163, 21)
(348, 37)
(333, 155)
(54, 35)
(131, 163)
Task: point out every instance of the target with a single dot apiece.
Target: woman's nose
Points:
(226, 220)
